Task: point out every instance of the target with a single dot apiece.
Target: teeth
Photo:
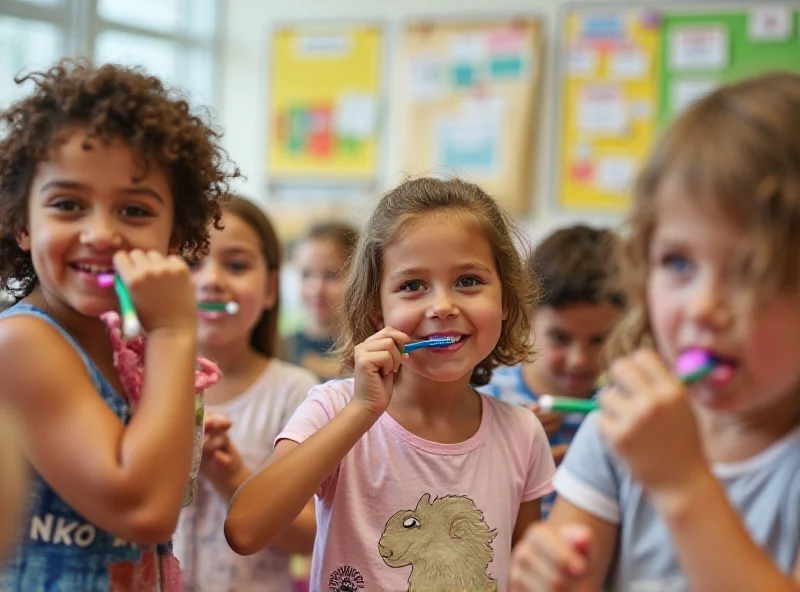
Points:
(93, 269)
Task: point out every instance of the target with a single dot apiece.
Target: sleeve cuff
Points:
(585, 497)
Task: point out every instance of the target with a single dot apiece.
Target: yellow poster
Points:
(324, 102)
(609, 106)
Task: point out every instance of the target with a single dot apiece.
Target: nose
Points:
(208, 277)
(442, 305)
(577, 356)
(100, 232)
(707, 304)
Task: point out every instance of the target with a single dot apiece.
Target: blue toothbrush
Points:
(432, 342)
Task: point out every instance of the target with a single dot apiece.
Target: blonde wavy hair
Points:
(735, 152)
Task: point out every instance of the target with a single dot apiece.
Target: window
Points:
(173, 39)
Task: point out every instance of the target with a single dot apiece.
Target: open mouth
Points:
(92, 269)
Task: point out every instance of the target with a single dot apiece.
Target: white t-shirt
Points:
(257, 416)
(401, 512)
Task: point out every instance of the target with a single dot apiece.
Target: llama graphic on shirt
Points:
(446, 542)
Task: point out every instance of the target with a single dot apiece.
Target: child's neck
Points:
(240, 365)
(440, 412)
(732, 438)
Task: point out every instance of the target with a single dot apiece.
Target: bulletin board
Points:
(625, 72)
(324, 96)
(469, 102)
(609, 81)
(744, 52)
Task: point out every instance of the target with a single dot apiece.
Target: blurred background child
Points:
(580, 302)
(321, 256)
(246, 409)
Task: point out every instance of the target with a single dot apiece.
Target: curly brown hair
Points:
(735, 152)
(109, 102)
(422, 198)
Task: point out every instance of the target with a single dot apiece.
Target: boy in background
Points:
(581, 301)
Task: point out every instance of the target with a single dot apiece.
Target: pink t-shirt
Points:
(400, 512)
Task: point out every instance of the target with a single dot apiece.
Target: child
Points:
(101, 169)
(579, 305)
(432, 494)
(674, 487)
(322, 257)
(247, 409)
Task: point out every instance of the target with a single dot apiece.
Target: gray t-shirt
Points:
(764, 490)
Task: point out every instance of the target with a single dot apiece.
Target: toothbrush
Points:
(230, 308)
(131, 327)
(432, 342)
(692, 365)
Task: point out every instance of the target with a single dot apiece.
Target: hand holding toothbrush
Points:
(649, 422)
(160, 289)
(376, 363)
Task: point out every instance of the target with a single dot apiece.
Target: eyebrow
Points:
(464, 267)
(76, 186)
(239, 251)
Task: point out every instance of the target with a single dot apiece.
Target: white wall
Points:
(244, 80)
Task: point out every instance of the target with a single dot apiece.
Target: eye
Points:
(66, 205)
(412, 286)
(676, 263)
(411, 522)
(135, 212)
(597, 340)
(330, 276)
(238, 266)
(560, 338)
(469, 281)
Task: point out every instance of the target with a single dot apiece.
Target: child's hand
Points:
(215, 431)
(548, 560)
(551, 422)
(160, 288)
(648, 421)
(377, 360)
(221, 459)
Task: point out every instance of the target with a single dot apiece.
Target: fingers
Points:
(382, 350)
(546, 560)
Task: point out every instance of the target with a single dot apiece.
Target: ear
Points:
(459, 527)
(505, 313)
(23, 240)
(377, 320)
(271, 293)
(425, 500)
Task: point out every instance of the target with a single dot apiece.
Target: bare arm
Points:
(269, 502)
(299, 537)
(714, 549)
(130, 480)
(604, 538)
(529, 512)
(572, 551)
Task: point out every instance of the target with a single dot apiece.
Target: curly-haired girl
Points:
(101, 169)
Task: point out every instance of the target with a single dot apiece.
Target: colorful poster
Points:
(608, 106)
(324, 103)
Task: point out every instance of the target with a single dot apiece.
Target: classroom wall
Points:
(244, 80)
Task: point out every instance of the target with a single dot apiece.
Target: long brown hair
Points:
(264, 337)
(426, 197)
